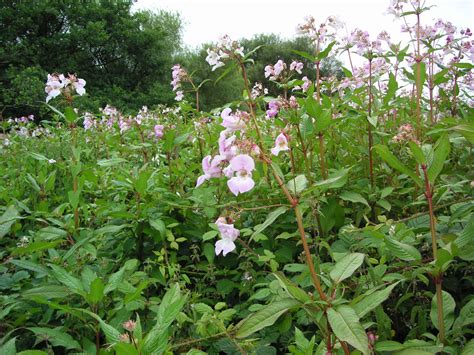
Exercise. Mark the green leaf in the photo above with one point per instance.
(112, 229)
(96, 293)
(156, 340)
(373, 120)
(291, 289)
(466, 316)
(419, 72)
(401, 250)
(229, 68)
(8, 348)
(467, 130)
(323, 54)
(441, 152)
(264, 317)
(72, 283)
(417, 152)
(388, 345)
(47, 291)
(159, 225)
(448, 310)
(272, 216)
(32, 352)
(391, 90)
(111, 162)
(7, 220)
(346, 326)
(372, 300)
(353, 197)
(345, 267)
(468, 348)
(393, 161)
(70, 114)
(305, 55)
(297, 184)
(111, 334)
(209, 235)
(56, 336)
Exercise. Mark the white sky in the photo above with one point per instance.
(206, 20)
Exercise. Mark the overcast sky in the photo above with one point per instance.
(206, 20)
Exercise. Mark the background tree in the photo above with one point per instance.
(125, 57)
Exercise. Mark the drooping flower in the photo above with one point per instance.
(242, 165)
(228, 235)
(54, 86)
(306, 84)
(211, 168)
(281, 144)
(227, 149)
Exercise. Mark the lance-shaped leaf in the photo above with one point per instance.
(346, 326)
(265, 317)
(393, 161)
(346, 266)
(441, 152)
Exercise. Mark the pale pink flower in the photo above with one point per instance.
(158, 130)
(129, 325)
(242, 165)
(296, 66)
(54, 86)
(179, 95)
(227, 149)
(273, 108)
(211, 168)
(281, 144)
(233, 122)
(228, 235)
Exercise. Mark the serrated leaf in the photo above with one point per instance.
(401, 250)
(441, 152)
(372, 300)
(71, 282)
(156, 341)
(56, 336)
(264, 317)
(417, 152)
(297, 184)
(466, 315)
(393, 161)
(272, 216)
(346, 326)
(353, 197)
(96, 293)
(345, 267)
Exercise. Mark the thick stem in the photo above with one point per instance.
(434, 245)
(324, 172)
(371, 142)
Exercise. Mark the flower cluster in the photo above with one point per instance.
(58, 83)
(234, 152)
(276, 71)
(258, 90)
(322, 32)
(179, 75)
(406, 133)
(226, 48)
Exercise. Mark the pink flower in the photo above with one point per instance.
(211, 168)
(273, 108)
(228, 235)
(306, 84)
(226, 148)
(159, 130)
(179, 95)
(54, 85)
(281, 144)
(242, 165)
(129, 325)
(296, 66)
(233, 122)
(279, 67)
